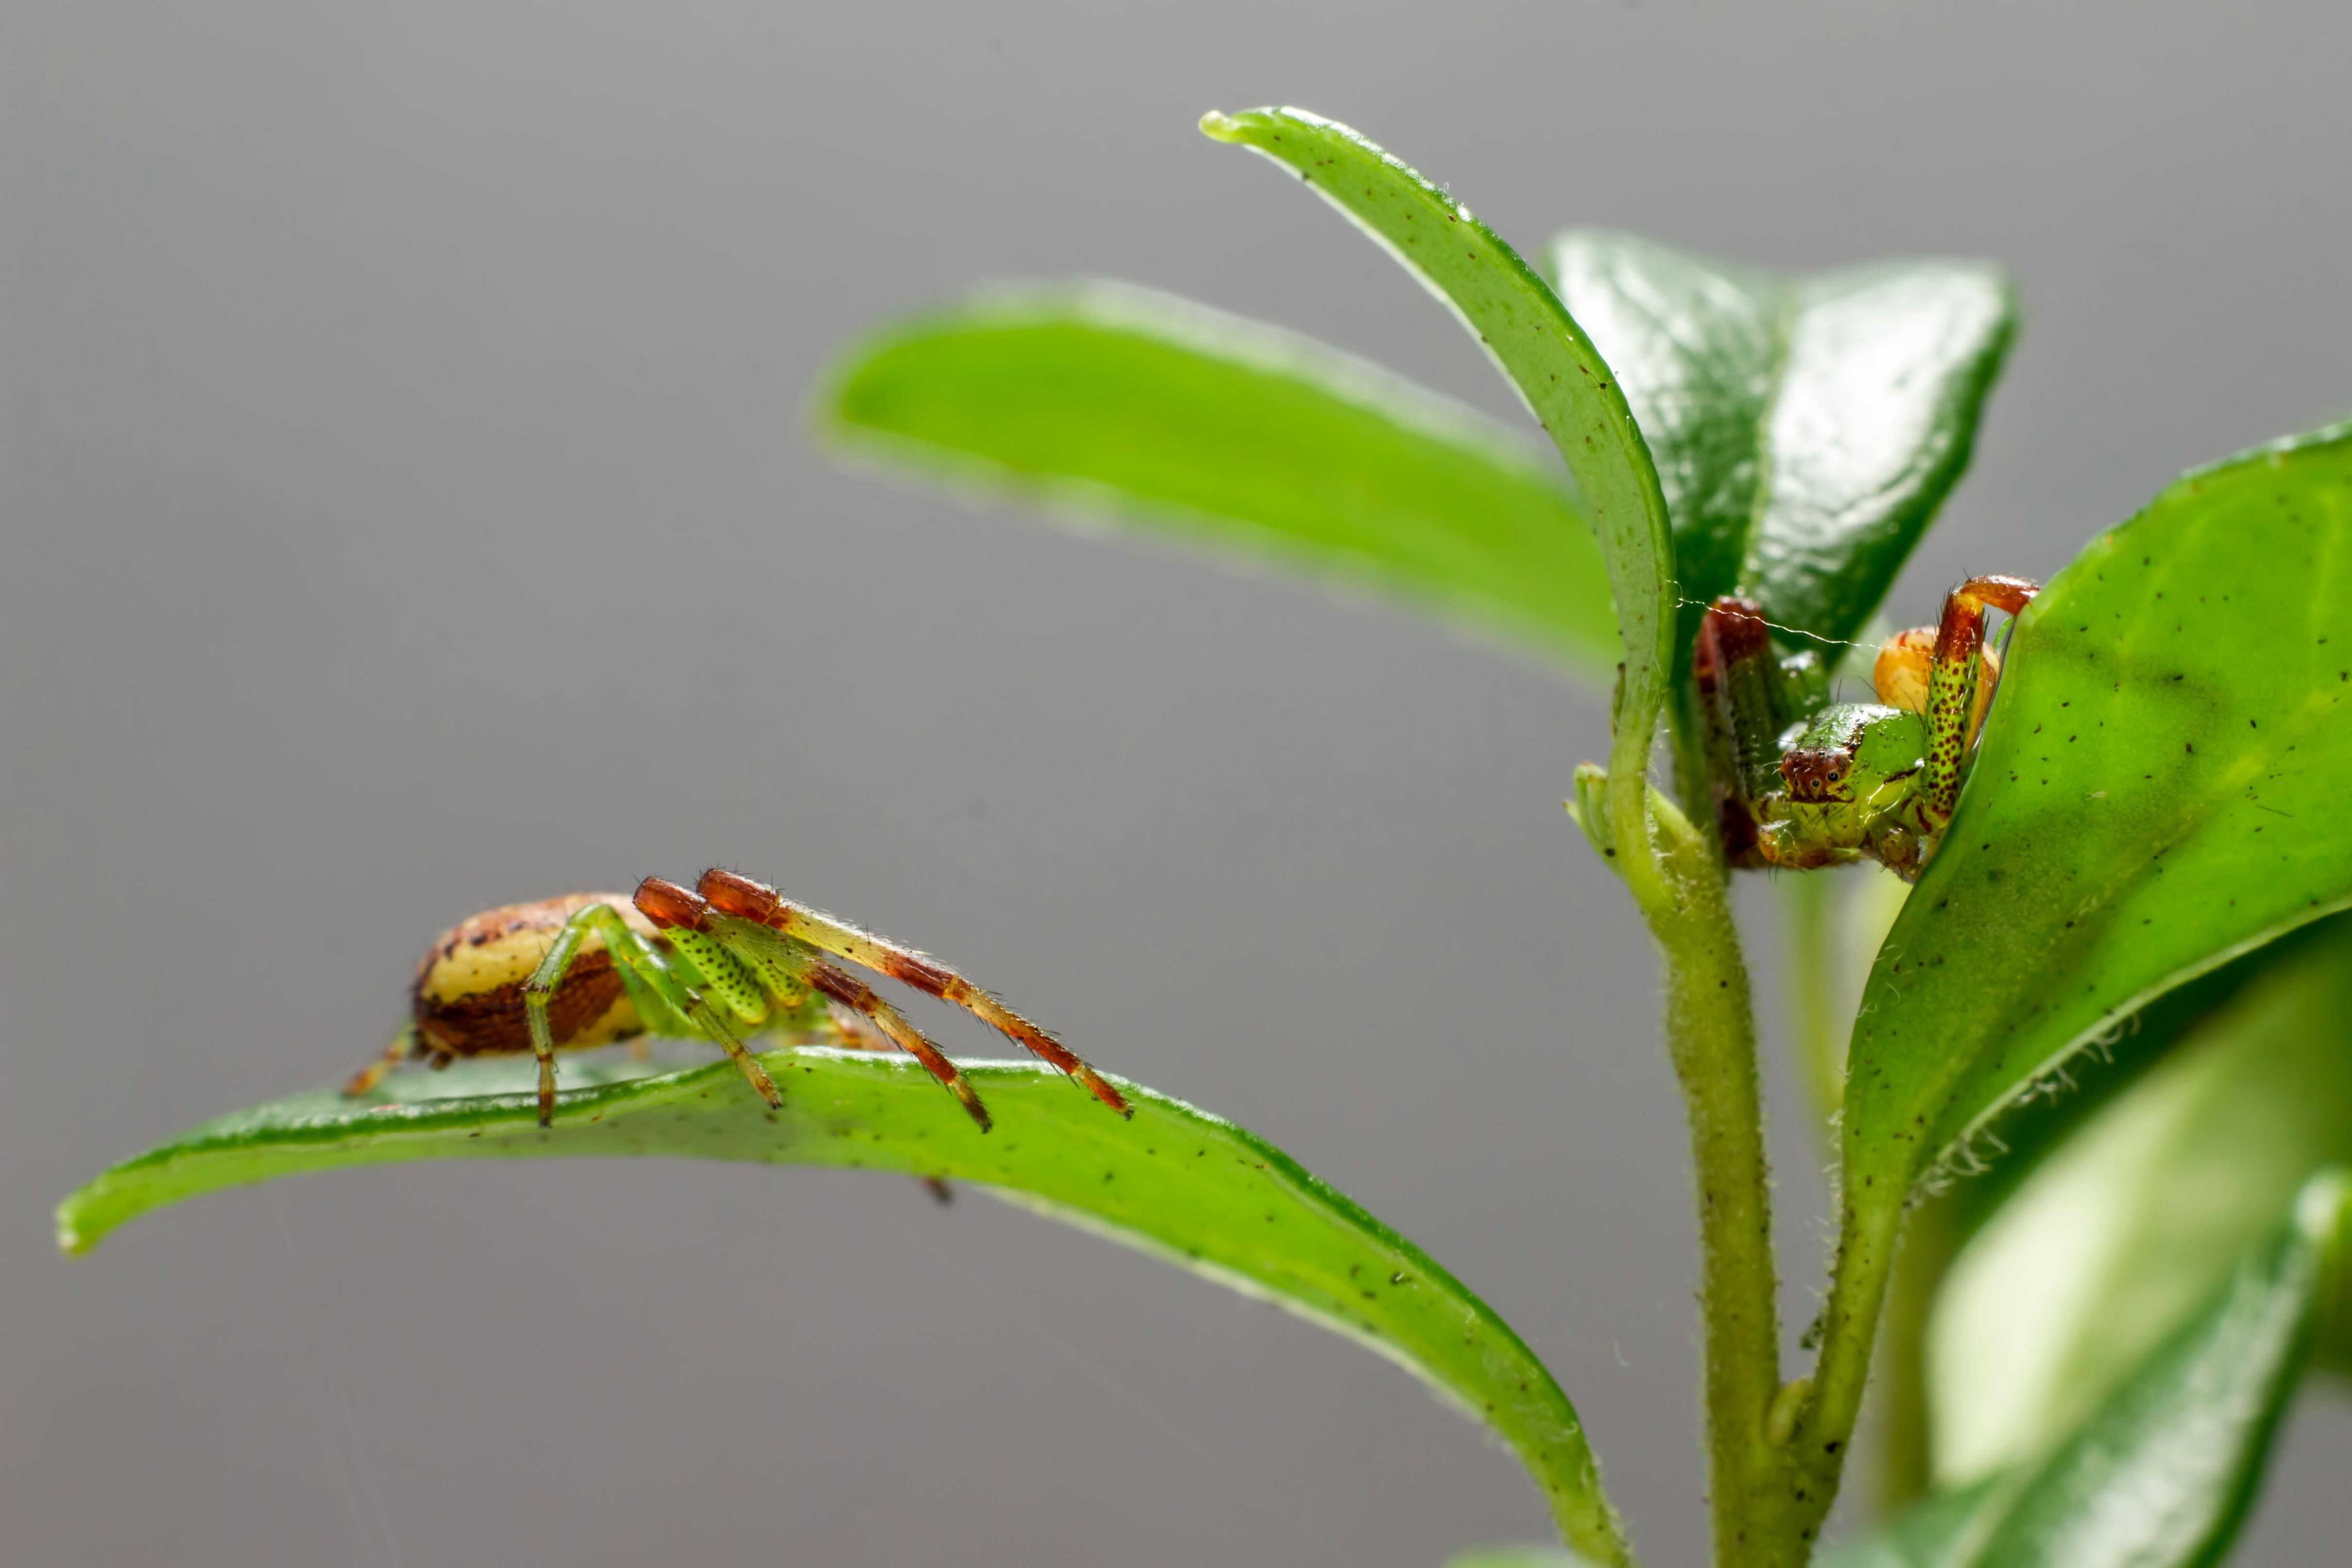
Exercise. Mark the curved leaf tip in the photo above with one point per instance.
(1564, 383)
(1175, 1181)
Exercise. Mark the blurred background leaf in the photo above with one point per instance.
(2162, 1471)
(1114, 407)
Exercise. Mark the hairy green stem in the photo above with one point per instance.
(1764, 1508)
(1824, 1426)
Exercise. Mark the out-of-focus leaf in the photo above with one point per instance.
(1571, 391)
(2164, 1471)
(1173, 1181)
(2141, 1214)
(1929, 1534)
(1805, 429)
(1112, 405)
(2157, 791)
(1516, 1557)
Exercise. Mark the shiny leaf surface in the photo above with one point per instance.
(2163, 1472)
(1112, 405)
(1173, 1181)
(1545, 355)
(2158, 788)
(2142, 1214)
(1805, 429)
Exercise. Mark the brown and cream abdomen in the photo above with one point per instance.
(468, 999)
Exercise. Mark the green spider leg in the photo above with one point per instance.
(787, 964)
(758, 908)
(672, 996)
(1952, 685)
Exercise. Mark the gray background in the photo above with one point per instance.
(405, 513)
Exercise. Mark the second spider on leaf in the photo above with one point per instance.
(728, 960)
(1801, 781)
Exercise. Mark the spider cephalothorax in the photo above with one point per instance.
(1801, 781)
(729, 960)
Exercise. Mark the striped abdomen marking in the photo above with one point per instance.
(468, 997)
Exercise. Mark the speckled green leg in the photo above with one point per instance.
(666, 1000)
(1952, 686)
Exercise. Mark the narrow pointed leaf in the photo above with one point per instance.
(1805, 428)
(2163, 1473)
(2159, 788)
(1116, 406)
(2143, 1214)
(1173, 1181)
(1516, 1557)
(1572, 393)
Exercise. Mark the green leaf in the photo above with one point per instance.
(2162, 1474)
(2158, 790)
(1110, 405)
(1516, 1557)
(1805, 429)
(1571, 391)
(1173, 1181)
(2143, 1213)
(1928, 1535)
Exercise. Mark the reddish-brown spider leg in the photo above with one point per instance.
(852, 1032)
(402, 1049)
(1732, 665)
(761, 904)
(858, 998)
(1952, 682)
(790, 961)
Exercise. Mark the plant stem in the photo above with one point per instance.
(1928, 1244)
(1764, 1509)
(1824, 1426)
(1806, 901)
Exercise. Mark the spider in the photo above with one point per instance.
(728, 960)
(1801, 781)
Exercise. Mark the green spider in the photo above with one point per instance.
(731, 960)
(1803, 782)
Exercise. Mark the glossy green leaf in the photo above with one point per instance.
(2158, 790)
(1173, 1181)
(2162, 1473)
(2027, 1132)
(2143, 1213)
(1108, 405)
(1545, 355)
(1805, 429)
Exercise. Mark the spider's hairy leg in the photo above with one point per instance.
(648, 975)
(1952, 684)
(401, 1047)
(1731, 664)
(786, 962)
(743, 899)
(859, 996)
